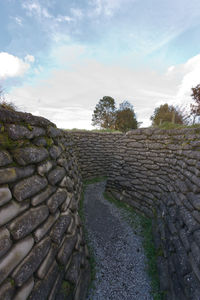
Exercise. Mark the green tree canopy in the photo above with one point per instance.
(104, 113)
(167, 113)
(125, 105)
(125, 117)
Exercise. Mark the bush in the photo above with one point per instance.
(8, 105)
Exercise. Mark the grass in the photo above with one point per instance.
(8, 105)
(106, 130)
(142, 226)
(91, 253)
(94, 130)
(81, 214)
(151, 255)
(169, 125)
(94, 180)
(165, 125)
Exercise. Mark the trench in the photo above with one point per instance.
(120, 262)
(156, 171)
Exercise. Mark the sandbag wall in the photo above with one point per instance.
(158, 173)
(94, 151)
(42, 250)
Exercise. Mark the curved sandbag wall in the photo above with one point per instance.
(158, 173)
(42, 247)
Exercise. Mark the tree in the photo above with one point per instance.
(195, 108)
(125, 105)
(167, 113)
(104, 113)
(125, 117)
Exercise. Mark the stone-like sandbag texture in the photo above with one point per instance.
(41, 236)
(94, 151)
(158, 173)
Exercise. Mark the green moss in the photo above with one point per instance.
(159, 252)
(29, 127)
(90, 249)
(8, 143)
(2, 127)
(67, 287)
(154, 210)
(94, 180)
(151, 255)
(12, 282)
(82, 216)
(61, 267)
(49, 141)
(184, 144)
(143, 226)
(14, 164)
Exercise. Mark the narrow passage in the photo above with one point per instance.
(119, 256)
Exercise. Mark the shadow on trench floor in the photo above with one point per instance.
(120, 241)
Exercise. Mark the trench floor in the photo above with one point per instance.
(120, 262)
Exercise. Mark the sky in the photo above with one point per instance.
(59, 58)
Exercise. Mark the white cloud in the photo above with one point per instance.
(60, 38)
(34, 8)
(66, 55)
(170, 69)
(68, 96)
(82, 87)
(77, 116)
(106, 7)
(12, 66)
(189, 74)
(29, 58)
(77, 13)
(38, 70)
(111, 5)
(18, 20)
(60, 19)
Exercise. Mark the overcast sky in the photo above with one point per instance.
(58, 58)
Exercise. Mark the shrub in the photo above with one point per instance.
(8, 105)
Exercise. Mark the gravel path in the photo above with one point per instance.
(118, 252)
